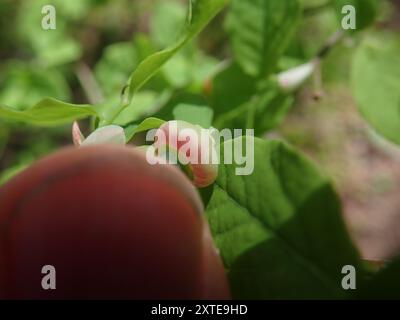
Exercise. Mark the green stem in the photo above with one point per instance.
(114, 113)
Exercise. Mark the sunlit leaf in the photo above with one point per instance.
(48, 112)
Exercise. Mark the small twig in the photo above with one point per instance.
(89, 84)
(323, 52)
(318, 86)
(332, 41)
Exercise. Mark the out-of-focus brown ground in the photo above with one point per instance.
(364, 167)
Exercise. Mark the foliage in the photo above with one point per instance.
(280, 230)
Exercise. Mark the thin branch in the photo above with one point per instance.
(318, 85)
(89, 84)
(332, 42)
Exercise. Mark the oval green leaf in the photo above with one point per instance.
(48, 112)
(279, 230)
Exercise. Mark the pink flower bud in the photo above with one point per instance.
(195, 149)
(77, 136)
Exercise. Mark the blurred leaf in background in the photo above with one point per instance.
(226, 78)
(50, 47)
(260, 31)
(376, 83)
(23, 84)
(366, 11)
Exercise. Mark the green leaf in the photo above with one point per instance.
(180, 97)
(144, 103)
(189, 68)
(178, 70)
(200, 14)
(231, 88)
(279, 230)
(51, 47)
(56, 50)
(366, 11)
(72, 10)
(113, 68)
(23, 84)
(384, 285)
(144, 46)
(260, 31)
(200, 115)
(255, 105)
(145, 125)
(48, 112)
(271, 109)
(376, 85)
(167, 22)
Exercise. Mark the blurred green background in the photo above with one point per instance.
(98, 43)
